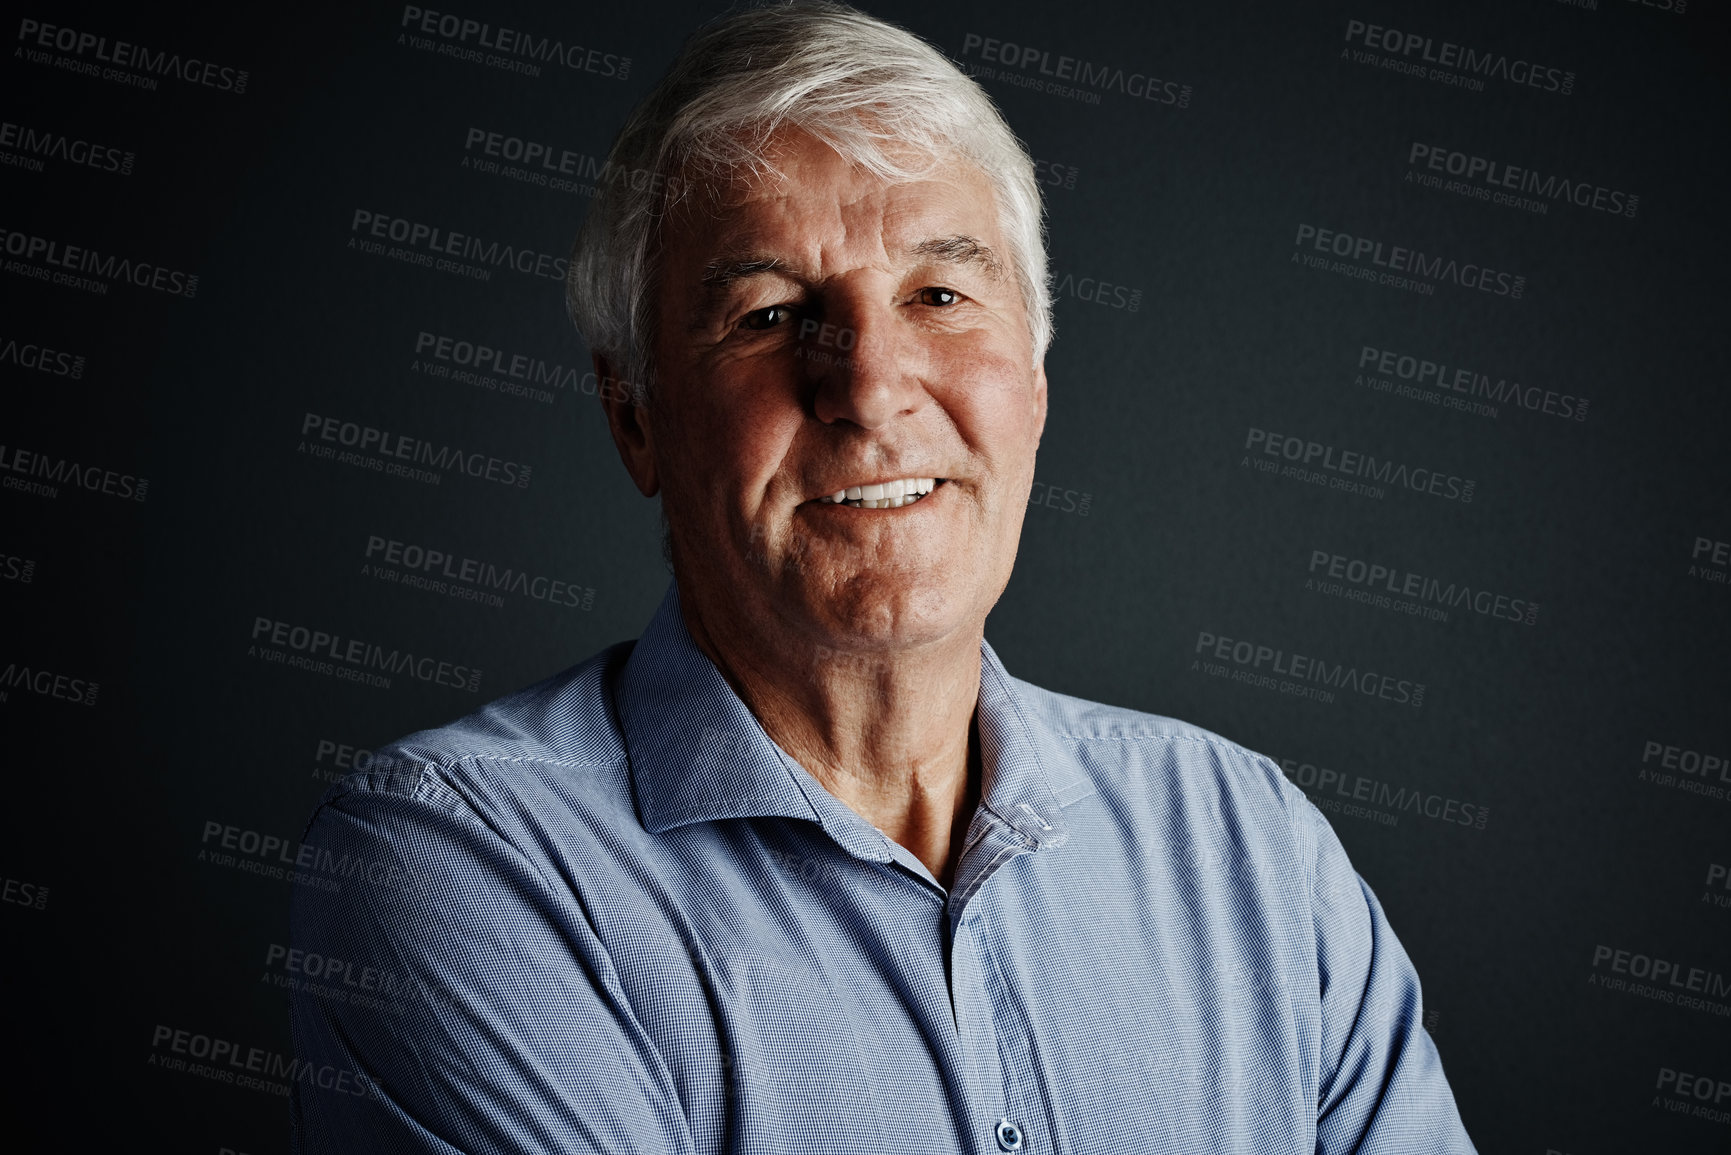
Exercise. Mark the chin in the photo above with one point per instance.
(882, 611)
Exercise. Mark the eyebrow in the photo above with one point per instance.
(961, 250)
(723, 272)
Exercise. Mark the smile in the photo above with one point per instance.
(883, 495)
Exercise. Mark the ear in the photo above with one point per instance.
(1039, 401)
(628, 421)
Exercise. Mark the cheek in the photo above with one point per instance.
(754, 431)
(996, 410)
(729, 438)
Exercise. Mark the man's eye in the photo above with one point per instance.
(766, 318)
(938, 296)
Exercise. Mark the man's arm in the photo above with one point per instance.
(1382, 1088)
(502, 1026)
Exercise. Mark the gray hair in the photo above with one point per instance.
(860, 85)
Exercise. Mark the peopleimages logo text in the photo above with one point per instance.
(92, 263)
(1673, 974)
(1459, 58)
(1457, 379)
(433, 569)
(509, 42)
(255, 1068)
(52, 145)
(41, 358)
(1352, 463)
(1102, 77)
(1323, 781)
(1376, 579)
(409, 452)
(123, 54)
(1417, 263)
(484, 358)
(1517, 178)
(320, 645)
(444, 242)
(48, 684)
(1301, 668)
(552, 161)
(57, 471)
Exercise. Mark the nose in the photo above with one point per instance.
(866, 364)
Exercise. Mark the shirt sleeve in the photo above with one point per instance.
(1382, 1089)
(495, 1022)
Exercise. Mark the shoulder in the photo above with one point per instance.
(559, 734)
(1081, 723)
(1150, 763)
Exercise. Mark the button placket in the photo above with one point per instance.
(1025, 1095)
(976, 1028)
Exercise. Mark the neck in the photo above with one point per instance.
(888, 731)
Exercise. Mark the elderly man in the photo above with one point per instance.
(804, 869)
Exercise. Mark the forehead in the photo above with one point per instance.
(818, 205)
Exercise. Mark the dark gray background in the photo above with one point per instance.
(1543, 725)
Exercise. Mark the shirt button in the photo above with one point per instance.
(1009, 1135)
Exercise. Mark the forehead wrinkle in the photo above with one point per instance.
(767, 231)
(764, 233)
(745, 249)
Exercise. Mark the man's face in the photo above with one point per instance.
(828, 331)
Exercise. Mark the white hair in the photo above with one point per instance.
(864, 87)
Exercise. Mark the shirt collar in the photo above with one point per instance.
(697, 754)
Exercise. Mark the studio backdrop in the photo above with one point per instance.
(1387, 437)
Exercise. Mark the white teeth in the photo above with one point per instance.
(883, 495)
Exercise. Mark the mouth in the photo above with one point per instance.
(883, 494)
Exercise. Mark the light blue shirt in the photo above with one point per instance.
(611, 915)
